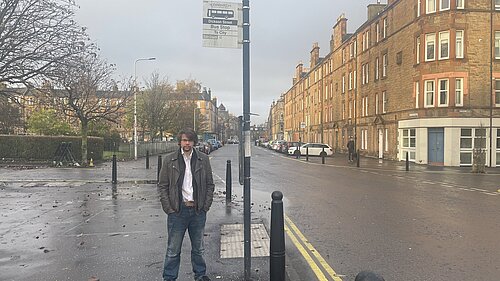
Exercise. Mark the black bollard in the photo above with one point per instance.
(307, 153)
(113, 171)
(357, 159)
(323, 156)
(159, 168)
(228, 182)
(407, 162)
(277, 244)
(147, 159)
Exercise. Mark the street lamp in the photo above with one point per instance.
(135, 102)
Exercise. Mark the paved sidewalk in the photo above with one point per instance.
(72, 224)
(341, 160)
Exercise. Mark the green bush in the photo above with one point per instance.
(45, 147)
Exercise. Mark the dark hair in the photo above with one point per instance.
(189, 133)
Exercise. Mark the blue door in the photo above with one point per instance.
(436, 146)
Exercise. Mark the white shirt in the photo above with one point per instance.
(187, 183)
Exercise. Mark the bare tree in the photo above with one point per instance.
(84, 90)
(34, 36)
(158, 111)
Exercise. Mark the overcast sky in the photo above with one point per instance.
(282, 33)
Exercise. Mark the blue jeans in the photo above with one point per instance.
(177, 223)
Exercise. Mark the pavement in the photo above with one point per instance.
(73, 224)
(341, 160)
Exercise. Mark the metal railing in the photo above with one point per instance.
(154, 148)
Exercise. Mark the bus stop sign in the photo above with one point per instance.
(222, 24)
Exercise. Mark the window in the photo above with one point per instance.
(430, 6)
(384, 65)
(443, 92)
(444, 5)
(376, 68)
(364, 139)
(419, 4)
(417, 93)
(429, 93)
(444, 42)
(497, 44)
(459, 91)
(409, 143)
(466, 147)
(384, 102)
(350, 109)
(386, 140)
(354, 78)
(384, 28)
(377, 31)
(498, 146)
(430, 42)
(343, 56)
(459, 39)
(362, 106)
(460, 4)
(497, 92)
(376, 103)
(497, 4)
(409, 138)
(350, 80)
(343, 84)
(471, 139)
(366, 106)
(417, 50)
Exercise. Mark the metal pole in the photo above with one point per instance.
(147, 159)
(228, 182)
(357, 159)
(246, 131)
(135, 103)
(159, 168)
(307, 153)
(277, 243)
(114, 171)
(323, 156)
(407, 162)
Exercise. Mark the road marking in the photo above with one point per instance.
(305, 253)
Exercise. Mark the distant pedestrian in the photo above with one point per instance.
(186, 190)
(351, 148)
(368, 276)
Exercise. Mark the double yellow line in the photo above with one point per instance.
(318, 265)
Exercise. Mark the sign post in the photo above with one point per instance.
(227, 25)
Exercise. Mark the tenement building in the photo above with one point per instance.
(418, 78)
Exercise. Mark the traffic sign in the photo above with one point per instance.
(302, 125)
(222, 26)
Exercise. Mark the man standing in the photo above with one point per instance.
(350, 149)
(186, 190)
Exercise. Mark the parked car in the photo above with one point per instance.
(277, 145)
(203, 147)
(293, 147)
(213, 143)
(315, 149)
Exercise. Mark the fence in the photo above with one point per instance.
(152, 147)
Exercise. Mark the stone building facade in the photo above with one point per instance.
(419, 76)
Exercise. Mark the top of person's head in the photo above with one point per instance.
(189, 133)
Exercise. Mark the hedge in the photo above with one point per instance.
(45, 147)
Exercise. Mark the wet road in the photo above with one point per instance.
(404, 225)
(70, 224)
